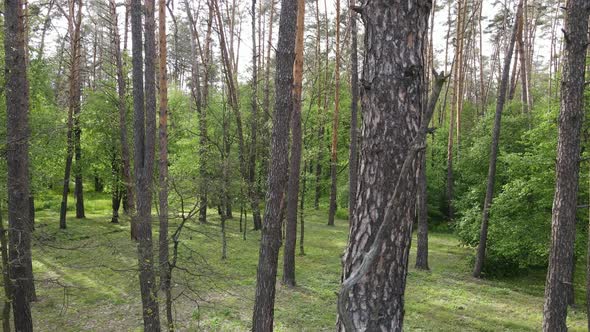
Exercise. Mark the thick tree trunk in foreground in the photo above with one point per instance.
(144, 138)
(372, 296)
(17, 157)
(335, 122)
(295, 161)
(277, 178)
(571, 115)
(483, 235)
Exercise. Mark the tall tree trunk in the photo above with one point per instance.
(128, 197)
(354, 96)
(501, 99)
(301, 214)
(271, 232)
(571, 115)
(266, 107)
(384, 210)
(335, 121)
(164, 259)
(17, 158)
(523, 63)
(295, 161)
(252, 185)
(144, 150)
(422, 211)
(74, 23)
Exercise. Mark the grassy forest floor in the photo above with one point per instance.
(86, 281)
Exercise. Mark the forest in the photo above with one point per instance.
(295, 165)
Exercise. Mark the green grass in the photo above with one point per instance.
(86, 280)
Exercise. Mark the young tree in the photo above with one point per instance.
(252, 186)
(74, 23)
(501, 99)
(144, 149)
(163, 256)
(571, 114)
(354, 94)
(372, 297)
(335, 120)
(421, 206)
(295, 161)
(17, 158)
(263, 315)
(122, 93)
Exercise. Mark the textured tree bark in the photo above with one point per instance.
(301, 214)
(144, 151)
(376, 258)
(501, 99)
(335, 122)
(74, 22)
(354, 96)
(571, 115)
(17, 158)
(295, 161)
(128, 197)
(277, 178)
(163, 254)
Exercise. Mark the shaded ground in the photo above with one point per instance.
(86, 281)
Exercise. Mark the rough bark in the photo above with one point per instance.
(277, 177)
(376, 258)
(501, 99)
(295, 161)
(144, 150)
(17, 158)
(571, 115)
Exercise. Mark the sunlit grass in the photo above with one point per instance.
(86, 280)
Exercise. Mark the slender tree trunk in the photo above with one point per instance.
(266, 107)
(74, 22)
(483, 235)
(295, 161)
(271, 232)
(354, 93)
(164, 259)
(5, 277)
(335, 122)
(128, 197)
(523, 63)
(252, 185)
(144, 150)
(116, 186)
(301, 214)
(17, 157)
(571, 116)
(422, 211)
(372, 297)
